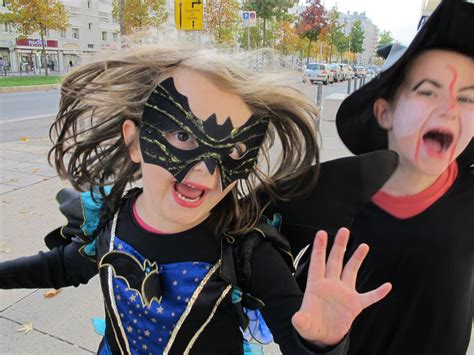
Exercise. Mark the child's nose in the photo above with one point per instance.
(208, 170)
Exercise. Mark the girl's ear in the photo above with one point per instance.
(382, 113)
(130, 136)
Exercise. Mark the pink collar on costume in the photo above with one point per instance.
(142, 223)
(404, 207)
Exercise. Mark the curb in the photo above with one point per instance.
(13, 89)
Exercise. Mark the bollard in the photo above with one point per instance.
(355, 84)
(319, 93)
(360, 81)
(363, 79)
(349, 86)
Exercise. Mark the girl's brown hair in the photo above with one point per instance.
(96, 98)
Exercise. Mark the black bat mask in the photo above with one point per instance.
(168, 122)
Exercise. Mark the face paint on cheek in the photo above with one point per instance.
(409, 117)
(451, 86)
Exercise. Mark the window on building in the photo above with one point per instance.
(5, 27)
(89, 3)
(90, 25)
(90, 46)
(75, 33)
(62, 34)
(104, 36)
(46, 32)
(115, 36)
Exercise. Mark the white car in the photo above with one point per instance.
(319, 72)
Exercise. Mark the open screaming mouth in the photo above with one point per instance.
(438, 141)
(188, 193)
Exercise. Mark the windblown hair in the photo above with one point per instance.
(96, 98)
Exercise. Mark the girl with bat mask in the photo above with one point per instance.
(193, 126)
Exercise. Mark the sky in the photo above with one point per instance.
(401, 17)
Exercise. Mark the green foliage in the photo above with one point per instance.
(139, 14)
(385, 38)
(334, 31)
(357, 38)
(222, 20)
(311, 23)
(268, 10)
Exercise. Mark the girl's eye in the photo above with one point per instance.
(466, 100)
(181, 140)
(238, 151)
(428, 93)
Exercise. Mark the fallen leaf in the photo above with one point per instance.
(6, 201)
(24, 139)
(14, 179)
(35, 170)
(4, 248)
(25, 328)
(51, 293)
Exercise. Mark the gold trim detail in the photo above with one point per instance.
(198, 333)
(190, 306)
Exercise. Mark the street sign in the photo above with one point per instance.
(188, 14)
(249, 18)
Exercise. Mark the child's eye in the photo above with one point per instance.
(465, 100)
(181, 140)
(238, 151)
(428, 93)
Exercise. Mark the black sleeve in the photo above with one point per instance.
(274, 284)
(63, 266)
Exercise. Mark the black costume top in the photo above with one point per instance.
(429, 258)
(168, 293)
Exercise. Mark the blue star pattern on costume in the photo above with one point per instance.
(149, 328)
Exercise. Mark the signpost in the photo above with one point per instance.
(249, 19)
(188, 14)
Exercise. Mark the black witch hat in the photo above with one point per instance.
(451, 27)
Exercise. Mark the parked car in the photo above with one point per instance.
(319, 72)
(347, 70)
(337, 72)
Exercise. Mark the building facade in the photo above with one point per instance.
(371, 35)
(91, 29)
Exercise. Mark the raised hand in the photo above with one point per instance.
(331, 302)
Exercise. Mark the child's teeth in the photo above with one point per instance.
(187, 199)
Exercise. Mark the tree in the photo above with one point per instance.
(268, 9)
(287, 40)
(342, 44)
(222, 20)
(385, 38)
(311, 24)
(357, 38)
(134, 15)
(334, 31)
(39, 16)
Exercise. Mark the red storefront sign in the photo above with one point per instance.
(28, 42)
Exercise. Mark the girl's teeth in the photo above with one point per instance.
(181, 197)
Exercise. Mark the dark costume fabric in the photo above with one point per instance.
(170, 293)
(429, 259)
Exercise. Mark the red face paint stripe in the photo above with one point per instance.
(451, 85)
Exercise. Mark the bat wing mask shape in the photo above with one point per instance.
(140, 277)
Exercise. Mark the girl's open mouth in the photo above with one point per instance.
(438, 141)
(188, 195)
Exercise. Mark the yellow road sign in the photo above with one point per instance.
(188, 14)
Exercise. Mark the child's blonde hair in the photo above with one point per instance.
(96, 98)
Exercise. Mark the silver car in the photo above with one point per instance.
(319, 72)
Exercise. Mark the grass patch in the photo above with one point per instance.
(7, 81)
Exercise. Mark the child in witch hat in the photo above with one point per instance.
(420, 225)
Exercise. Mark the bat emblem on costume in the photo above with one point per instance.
(141, 277)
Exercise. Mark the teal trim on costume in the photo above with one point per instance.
(236, 295)
(275, 222)
(99, 325)
(91, 206)
(90, 248)
(252, 349)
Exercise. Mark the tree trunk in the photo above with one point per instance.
(309, 50)
(43, 54)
